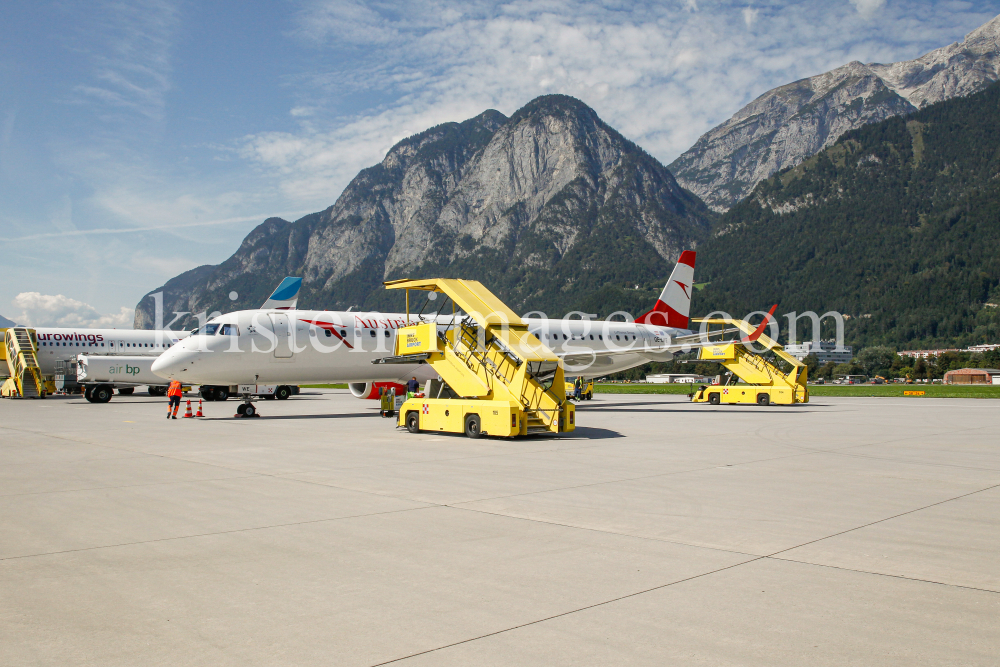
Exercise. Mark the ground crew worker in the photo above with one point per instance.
(412, 387)
(174, 397)
(578, 387)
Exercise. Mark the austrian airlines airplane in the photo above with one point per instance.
(286, 347)
(64, 344)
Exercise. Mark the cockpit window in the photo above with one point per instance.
(207, 330)
(229, 330)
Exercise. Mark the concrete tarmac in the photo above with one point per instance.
(842, 532)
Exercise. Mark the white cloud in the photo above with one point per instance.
(131, 63)
(46, 310)
(662, 74)
(867, 8)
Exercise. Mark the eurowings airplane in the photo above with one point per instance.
(58, 344)
(286, 347)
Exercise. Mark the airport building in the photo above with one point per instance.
(826, 351)
(671, 378)
(973, 376)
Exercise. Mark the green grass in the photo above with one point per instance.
(933, 391)
(323, 386)
(644, 388)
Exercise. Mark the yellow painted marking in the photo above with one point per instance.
(914, 393)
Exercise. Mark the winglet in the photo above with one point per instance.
(760, 329)
(285, 297)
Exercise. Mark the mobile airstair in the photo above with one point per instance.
(752, 358)
(498, 378)
(21, 352)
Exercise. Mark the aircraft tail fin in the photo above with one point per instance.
(286, 296)
(673, 307)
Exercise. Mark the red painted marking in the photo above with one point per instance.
(664, 316)
(332, 328)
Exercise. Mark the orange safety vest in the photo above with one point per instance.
(175, 389)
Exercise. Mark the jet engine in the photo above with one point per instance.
(369, 390)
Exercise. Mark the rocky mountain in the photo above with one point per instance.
(786, 125)
(897, 226)
(4, 322)
(547, 207)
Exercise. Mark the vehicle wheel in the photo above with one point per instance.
(101, 394)
(250, 411)
(88, 394)
(269, 397)
(282, 392)
(126, 391)
(763, 399)
(713, 398)
(473, 427)
(207, 393)
(221, 394)
(413, 422)
(241, 409)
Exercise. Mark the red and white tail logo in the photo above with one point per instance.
(674, 305)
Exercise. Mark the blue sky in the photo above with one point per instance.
(141, 139)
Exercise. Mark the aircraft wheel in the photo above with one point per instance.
(763, 399)
(713, 398)
(413, 422)
(473, 427)
(241, 409)
(101, 394)
(282, 392)
(250, 410)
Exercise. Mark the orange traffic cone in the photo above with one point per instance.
(199, 414)
(188, 412)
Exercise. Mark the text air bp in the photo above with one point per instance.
(125, 369)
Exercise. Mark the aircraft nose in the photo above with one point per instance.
(168, 364)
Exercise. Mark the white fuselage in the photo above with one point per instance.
(64, 344)
(304, 346)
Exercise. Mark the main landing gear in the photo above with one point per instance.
(246, 408)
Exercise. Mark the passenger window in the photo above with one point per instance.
(372, 332)
(617, 337)
(591, 336)
(329, 334)
(343, 333)
(386, 333)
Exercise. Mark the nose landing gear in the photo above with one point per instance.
(246, 408)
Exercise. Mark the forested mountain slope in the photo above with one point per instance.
(897, 225)
(788, 124)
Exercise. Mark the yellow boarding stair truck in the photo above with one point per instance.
(765, 382)
(498, 379)
(21, 356)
